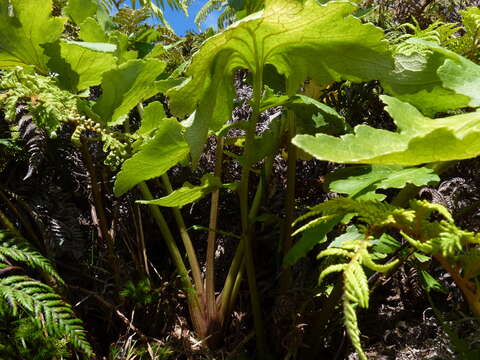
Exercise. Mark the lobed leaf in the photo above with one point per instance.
(300, 39)
(79, 64)
(356, 181)
(420, 140)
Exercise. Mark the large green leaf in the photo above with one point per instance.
(154, 158)
(79, 10)
(420, 140)
(24, 26)
(188, 193)
(126, 86)
(434, 79)
(80, 65)
(300, 39)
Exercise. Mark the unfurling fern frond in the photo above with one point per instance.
(355, 282)
(20, 293)
(45, 107)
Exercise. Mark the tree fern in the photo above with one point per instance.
(23, 294)
(427, 227)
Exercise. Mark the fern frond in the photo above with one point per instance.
(330, 270)
(42, 303)
(19, 250)
(226, 18)
(313, 223)
(207, 8)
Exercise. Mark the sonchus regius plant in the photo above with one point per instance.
(290, 40)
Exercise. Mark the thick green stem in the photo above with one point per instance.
(187, 242)
(286, 279)
(196, 310)
(210, 261)
(247, 225)
(226, 296)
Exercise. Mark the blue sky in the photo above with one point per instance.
(181, 24)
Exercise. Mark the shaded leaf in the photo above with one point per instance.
(378, 177)
(80, 65)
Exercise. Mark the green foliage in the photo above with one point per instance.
(21, 38)
(140, 292)
(154, 158)
(441, 239)
(362, 182)
(124, 87)
(188, 193)
(250, 44)
(468, 44)
(417, 142)
(355, 282)
(313, 233)
(26, 295)
(79, 64)
(80, 10)
(49, 105)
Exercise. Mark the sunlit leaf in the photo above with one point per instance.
(154, 158)
(124, 87)
(80, 65)
(22, 34)
(420, 140)
(300, 39)
(79, 10)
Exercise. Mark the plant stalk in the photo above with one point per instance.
(286, 278)
(247, 225)
(187, 242)
(196, 310)
(100, 211)
(210, 260)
